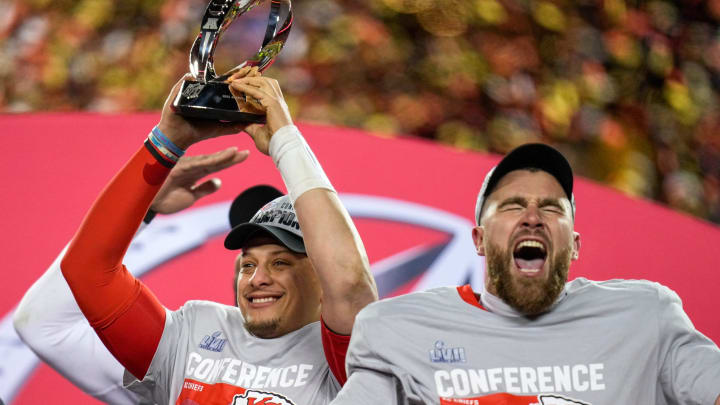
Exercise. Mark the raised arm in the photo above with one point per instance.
(122, 311)
(339, 257)
(49, 320)
(332, 242)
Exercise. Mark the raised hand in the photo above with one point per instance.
(184, 132)
(245, 104)
(181, 190)
(268, 98)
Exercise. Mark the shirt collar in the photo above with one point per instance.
(496, 305)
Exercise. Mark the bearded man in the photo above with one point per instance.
(531, 337)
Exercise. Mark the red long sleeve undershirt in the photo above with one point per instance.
(335, 347)
(125, 314)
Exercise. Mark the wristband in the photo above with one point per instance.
(162, 148)
(296, 162)
(167, 142)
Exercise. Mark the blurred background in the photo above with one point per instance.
(628, 90)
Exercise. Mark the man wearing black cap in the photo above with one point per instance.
(541, 250)
(297, 292)
(531, 337)
(49, 321)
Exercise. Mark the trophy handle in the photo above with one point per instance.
(208, 96)
(274, 38)
(219, 14)
(273, 41)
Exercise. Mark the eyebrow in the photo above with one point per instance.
(272, 253)
(522, 201)
(555, 202)
(513, 200)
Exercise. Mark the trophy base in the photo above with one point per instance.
(211, 101)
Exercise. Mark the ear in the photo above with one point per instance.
(477, 234)
(576, 246)
(238, 261)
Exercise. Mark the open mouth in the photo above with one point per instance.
(529, 256)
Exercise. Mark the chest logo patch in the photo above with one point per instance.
(213, 342)
(252, 397)
(440, 353)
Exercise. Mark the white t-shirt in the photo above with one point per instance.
(612, 342)
(206, 356)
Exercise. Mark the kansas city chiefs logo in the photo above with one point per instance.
(252, 397)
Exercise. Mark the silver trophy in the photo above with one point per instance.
(207, 95)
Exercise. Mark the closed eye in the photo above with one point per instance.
(513, 204)
(553, 206)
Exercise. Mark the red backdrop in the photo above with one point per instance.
(53, 166)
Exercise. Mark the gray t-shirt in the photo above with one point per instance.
(206, 356)
(612, 342)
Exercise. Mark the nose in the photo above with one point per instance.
(532, 217)
(260, 277)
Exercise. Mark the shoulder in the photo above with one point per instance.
(203, 305)
(416, 303)
(201, 308)
(620, 289)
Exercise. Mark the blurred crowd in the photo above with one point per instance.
(627, 89)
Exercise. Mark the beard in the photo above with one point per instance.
(528, 296)
(263, 329)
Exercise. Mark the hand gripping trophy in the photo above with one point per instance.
(207, 95)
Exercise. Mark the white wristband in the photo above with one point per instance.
(297, 164)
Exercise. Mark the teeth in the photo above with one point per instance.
(531, 244)
(263, 300)
(529, 271)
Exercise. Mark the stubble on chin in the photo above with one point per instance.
(263, 329)
(528, 296)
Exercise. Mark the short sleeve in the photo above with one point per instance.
(370, 376)
(367, 387)
(689, 361)
(157, 380)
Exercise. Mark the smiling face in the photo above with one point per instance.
(277, 290)
(526, 234)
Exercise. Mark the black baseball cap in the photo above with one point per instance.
(276, 219)
(247, 203)
(531, 155)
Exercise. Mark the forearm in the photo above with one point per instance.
(49, 321)
(331, 240)
(48, 306)
(126, 316)
(108, 227)
(717, 401)
(338, 256)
